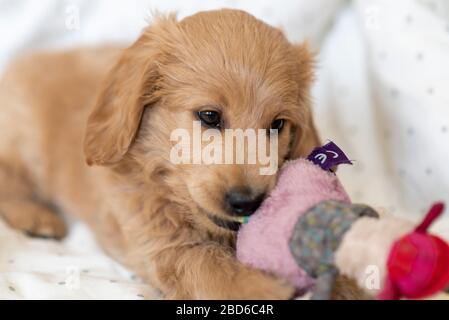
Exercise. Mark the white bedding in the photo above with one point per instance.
(382, 94)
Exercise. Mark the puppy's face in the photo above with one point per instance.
(195, 80)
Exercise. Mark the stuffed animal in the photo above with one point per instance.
(308, 232)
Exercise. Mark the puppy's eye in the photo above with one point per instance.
(210, 118)
(277, 124)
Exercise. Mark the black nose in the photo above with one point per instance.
(242, 201)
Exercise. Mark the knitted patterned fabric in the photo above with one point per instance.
(317, 235)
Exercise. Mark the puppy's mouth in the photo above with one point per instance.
(231, 225)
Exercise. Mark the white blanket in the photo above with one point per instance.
(381, 94)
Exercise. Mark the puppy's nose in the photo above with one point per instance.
(243, 202)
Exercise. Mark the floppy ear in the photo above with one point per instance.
(116, 115)
(305, 137)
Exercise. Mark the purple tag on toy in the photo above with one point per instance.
(328, 156)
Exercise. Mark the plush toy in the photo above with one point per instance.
(308, 232)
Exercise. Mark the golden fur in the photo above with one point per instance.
(147, 213)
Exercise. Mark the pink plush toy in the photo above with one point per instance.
(307, 230)
(264, 242)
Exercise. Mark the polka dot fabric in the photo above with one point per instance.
(72, 269)
(383, 96)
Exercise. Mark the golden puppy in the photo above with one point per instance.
(87, 132)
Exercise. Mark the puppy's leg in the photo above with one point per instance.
(22, 210)
(210, 271)
(347, 289)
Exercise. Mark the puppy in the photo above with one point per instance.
(87, 132)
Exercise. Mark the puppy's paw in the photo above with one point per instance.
(34, 219)
(347, 289)
(48, 226)
(256, 285)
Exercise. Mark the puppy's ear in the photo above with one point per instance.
(130, 86)
(305, 137)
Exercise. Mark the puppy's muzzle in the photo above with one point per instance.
(242, 201)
